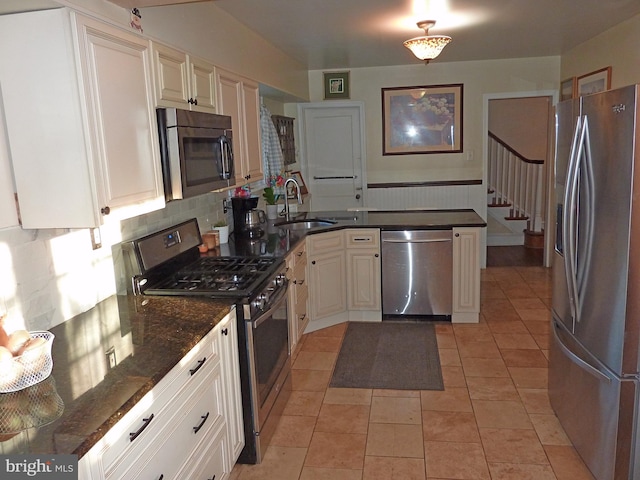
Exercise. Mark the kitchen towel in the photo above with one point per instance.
(389, 355)
(272, 158)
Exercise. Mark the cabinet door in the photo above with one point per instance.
(239, 98)
(203, 85)
(171, 76)
(251, 104)
(118, 86)
(327, 294)
(227, 339)
(466, 274)
(230, 103)
(8, 212)
(363, 280)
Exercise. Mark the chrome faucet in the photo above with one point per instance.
(286, 196)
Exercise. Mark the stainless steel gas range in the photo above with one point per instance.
(168, 263)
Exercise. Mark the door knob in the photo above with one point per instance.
(358, 196)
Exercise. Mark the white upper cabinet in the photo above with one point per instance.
(79, 108)
(240, 99)
(183, 81)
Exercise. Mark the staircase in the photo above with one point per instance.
(515, 197)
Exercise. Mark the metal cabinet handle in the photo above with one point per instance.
(313, 262)
(302, 317)
(213, 478)
(105, 210)
(298, 282)
(300, 253)
(457, 234)
(376, 255)
(145, 424)
(192, 371)
(224, 331)
(204, 419)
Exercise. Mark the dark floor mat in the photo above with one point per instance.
(389, 355)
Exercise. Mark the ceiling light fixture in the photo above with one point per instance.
(427, 47)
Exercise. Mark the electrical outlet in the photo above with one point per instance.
(111, 358)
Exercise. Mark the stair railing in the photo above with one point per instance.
(516, 182)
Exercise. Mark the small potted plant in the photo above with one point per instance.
(271, 200)
(223, 230)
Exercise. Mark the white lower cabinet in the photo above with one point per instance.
(466, 275)
(191, 421)
(363, 271)
(327, 276)
(298, 294)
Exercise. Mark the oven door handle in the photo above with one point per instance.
(282, 294)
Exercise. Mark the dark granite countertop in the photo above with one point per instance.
(148, 337)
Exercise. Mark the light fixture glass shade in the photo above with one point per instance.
(427, 48)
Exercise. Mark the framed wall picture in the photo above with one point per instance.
(422, 119)
(300, 180)
(568, 89)
(336, 85)
(594, 82)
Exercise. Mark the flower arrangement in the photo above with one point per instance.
(242, 192)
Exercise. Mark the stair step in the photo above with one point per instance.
(517, 217)
(494, 205)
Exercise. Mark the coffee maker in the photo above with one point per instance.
(247, 221)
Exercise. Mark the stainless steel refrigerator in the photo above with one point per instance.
(595, 345)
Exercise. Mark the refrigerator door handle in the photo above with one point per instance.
(569, 220)
(585, 166)
(577, 360)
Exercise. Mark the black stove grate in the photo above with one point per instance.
(223, 276)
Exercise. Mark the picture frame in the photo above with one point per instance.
(336, 86)
(594, 82)
(568, 88)
(303, 186)
(422, 119)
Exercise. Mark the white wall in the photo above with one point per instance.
(618, 47)
(479, 78)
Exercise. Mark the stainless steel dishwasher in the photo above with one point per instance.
(417, 269)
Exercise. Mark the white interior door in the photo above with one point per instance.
(333, 155)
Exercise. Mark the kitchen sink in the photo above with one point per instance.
(305, 224)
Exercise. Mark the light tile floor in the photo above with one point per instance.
(492, 421)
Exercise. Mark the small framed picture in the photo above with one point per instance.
(594, 82)
(336, 85)
(568, 89)
(300, 180)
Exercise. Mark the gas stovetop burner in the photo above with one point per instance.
(225, 276)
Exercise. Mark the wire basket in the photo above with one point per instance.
(32, 367)
(34, 406)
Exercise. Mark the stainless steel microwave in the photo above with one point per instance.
(196, 152)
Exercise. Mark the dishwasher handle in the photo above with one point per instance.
(425, 240)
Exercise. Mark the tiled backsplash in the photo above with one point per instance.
(49, 276)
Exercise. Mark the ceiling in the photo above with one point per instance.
(366, 33)
(332, 34)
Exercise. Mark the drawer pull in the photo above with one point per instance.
(298, 282)
(361, 239)
(161, 477)
(300, 253)
(204, 419)
(145, 424)
(302, 317)
(224, 331)
(213, 478)
(193, 371)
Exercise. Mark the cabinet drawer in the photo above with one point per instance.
(195, 414)
(154, 411)
(209, 461)
(363, 238)
(322, 242)
(299, 256)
